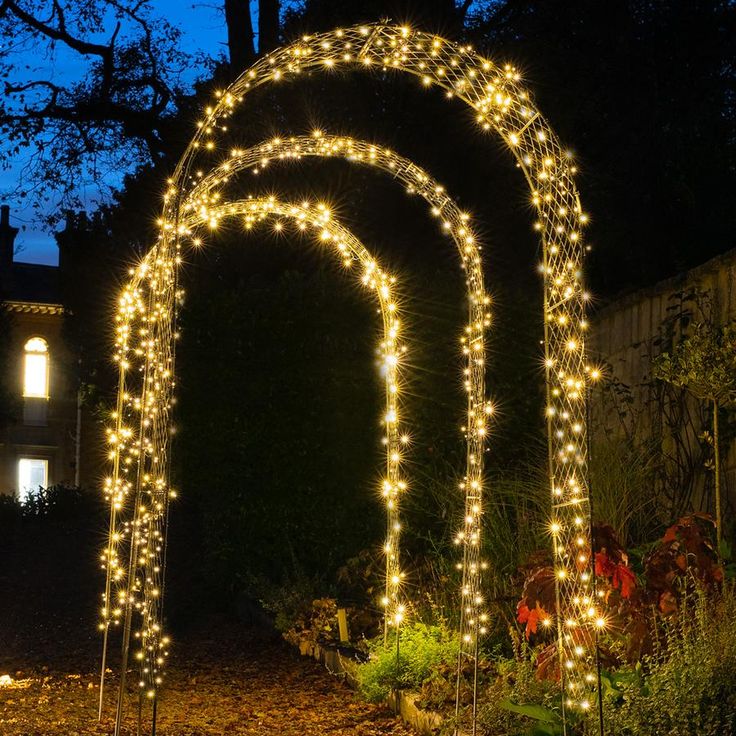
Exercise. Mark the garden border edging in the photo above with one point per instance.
(403, 703)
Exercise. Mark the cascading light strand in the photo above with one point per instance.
(211, 188)
(504, 107)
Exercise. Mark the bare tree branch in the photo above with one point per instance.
(60, 34)
(14, 88)
(112, 117)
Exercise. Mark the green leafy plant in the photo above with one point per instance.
(704, 362)
(422, 649)
(517, 700)
(543, 721)
(686, 686)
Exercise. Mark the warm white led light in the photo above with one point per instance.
(500, 104)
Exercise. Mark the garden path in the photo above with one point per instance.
(220, 683)
(224, 679)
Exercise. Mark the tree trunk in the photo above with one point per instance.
(239, 35)
(268, 25)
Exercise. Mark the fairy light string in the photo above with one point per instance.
(504, 107)
(213, 187)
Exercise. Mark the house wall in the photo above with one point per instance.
(41, 428)
(56, 439)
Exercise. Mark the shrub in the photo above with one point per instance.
(11, 514)
(316, 625)
(422, 649)
(517, 701)
(689, 683)
(59, 502)
(290, 604)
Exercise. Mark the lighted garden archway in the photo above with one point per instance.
(211, 188)
(501, 105)
(202, 207)
(138, 488)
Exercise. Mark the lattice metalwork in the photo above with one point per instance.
(139, 488)
(503, 106)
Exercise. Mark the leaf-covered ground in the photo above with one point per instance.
(220, 682)
(223, 677)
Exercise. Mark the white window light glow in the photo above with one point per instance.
(36, 369)
(32, 473)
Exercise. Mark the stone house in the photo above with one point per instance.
(42, 441)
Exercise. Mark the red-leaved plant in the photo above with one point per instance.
(538, 603)
(685, 554)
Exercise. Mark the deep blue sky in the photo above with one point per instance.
(203, 27)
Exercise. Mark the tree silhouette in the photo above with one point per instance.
(122, 110)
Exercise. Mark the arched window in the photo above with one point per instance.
(36, 369)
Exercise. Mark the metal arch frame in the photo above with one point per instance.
(505, 107)
(212, 188)
(139, 489)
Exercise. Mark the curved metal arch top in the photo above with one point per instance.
(504, 107)
(212, 188)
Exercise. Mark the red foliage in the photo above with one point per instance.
(687, 548)
(538, 599)
(611, 560)
(531, 617)
(685, 555)
(624, 580)
(617, 573)
(548, 663)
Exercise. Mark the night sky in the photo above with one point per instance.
(203, 25)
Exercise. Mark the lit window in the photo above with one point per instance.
(36, 369)
(32, 473)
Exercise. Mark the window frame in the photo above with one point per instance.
(47, 357)
(24, 490)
